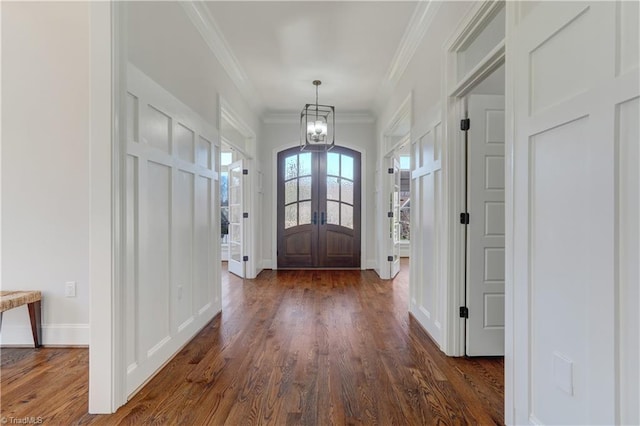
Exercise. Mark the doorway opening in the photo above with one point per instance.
(318, 208)
(476, 74)
(231, 209)
(395, 191)
(237, 198)
(399, 213)
(485, 228)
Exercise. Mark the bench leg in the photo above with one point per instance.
(36, 322)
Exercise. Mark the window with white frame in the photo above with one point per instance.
(405, 197)
(226, 158)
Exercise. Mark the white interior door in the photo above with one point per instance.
(394, 220)
(236, 241)
(485, 231)
(575, 101)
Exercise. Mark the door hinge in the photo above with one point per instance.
(245, 258)
(464, 218)
(390, 170)
(464, 312)
(390, 258)
(465, 124)
(245, 171)
(389, 214)
(245, 215)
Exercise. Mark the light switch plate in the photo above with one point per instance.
(70, 289)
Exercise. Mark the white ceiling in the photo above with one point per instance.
(283, 46)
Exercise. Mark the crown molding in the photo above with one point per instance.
(291, 117)
(199, 14)
(420, 21)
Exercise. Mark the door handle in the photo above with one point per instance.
(315, 218)
(322, 221)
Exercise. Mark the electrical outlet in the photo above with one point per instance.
(70, 289)
(179, 292)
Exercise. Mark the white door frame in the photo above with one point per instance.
(227, 115)
(454, 91)
(392, 138)
(107, 372)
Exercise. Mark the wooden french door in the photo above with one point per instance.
(319, 209)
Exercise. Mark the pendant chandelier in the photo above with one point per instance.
(317, 125)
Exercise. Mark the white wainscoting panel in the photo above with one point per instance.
(575, 87)
(172, 232)
(559, 302)
(427, 289)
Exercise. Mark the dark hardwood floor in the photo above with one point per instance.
(290, 347)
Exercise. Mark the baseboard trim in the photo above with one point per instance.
(266, 264)
(66, 335)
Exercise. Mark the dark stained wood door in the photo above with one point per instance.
(319, 209)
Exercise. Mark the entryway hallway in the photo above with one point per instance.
(290, 347)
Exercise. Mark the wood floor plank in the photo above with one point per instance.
(290, 348)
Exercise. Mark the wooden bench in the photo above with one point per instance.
(13, 299)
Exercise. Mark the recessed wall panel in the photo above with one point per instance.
(427, 148)
(628, 36)
(154, 291)
(183, 140)
(561, 65)
(203, 153)
(426, 201)
(182, 246)
(203, 235)
(157, 129)
(560, 261)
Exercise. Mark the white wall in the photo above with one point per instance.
(277, 136)
(45, 166)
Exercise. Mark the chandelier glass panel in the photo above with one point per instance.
(317, 125)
